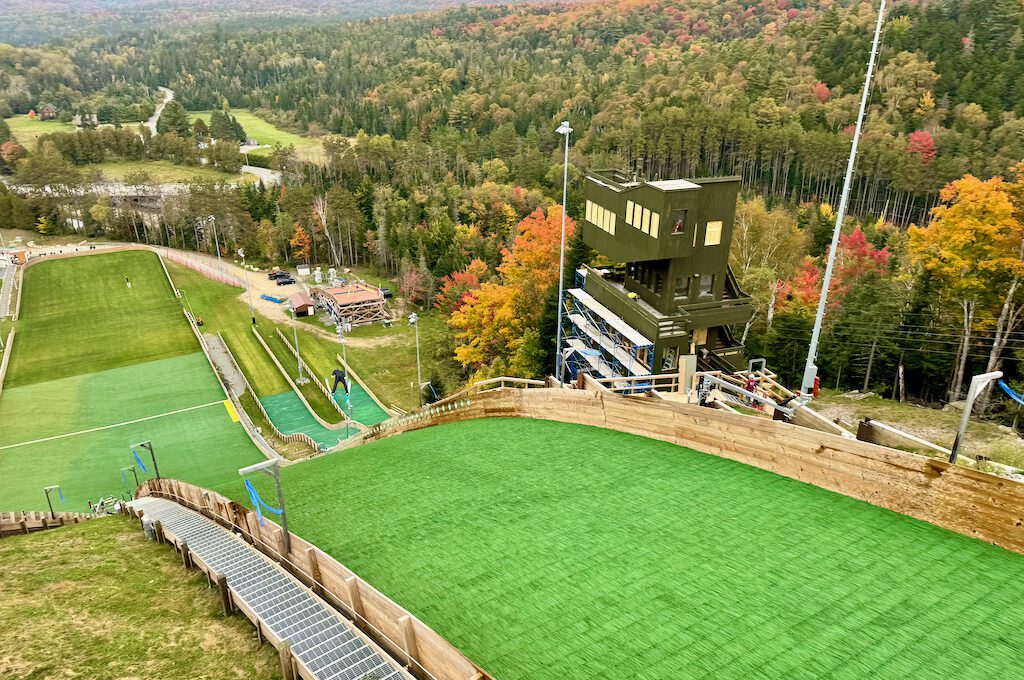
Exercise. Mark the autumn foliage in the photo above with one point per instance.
(496, 323)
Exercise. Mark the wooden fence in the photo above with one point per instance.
(5, 360)
(969, 502)
(398, 632)
(12, 523)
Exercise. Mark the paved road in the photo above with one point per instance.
(168, 96)
(268, 176)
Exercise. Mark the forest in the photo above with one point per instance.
(441, 163)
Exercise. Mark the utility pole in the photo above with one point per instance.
(216, 241)
(811, 369)
(978, 383)
(298, 356)
(134, 474)
(414, 320)
(245, 273)
(563, 129)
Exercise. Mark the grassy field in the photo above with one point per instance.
(97, 600)
(98, 366)
(26, 131)
(85, 299)
(265, 132)
(554, 551)
(165, 171)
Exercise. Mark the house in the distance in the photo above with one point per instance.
(48, 112)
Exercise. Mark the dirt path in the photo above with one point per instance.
(168, 96)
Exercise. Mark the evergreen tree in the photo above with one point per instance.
(174, 119)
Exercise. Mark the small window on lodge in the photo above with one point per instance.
(611, 223)
(629, 212)
(590, 212)
(713, 233)
(707, 285)
(655, 223)
(678, 222)
(637, 215)
(645, 222)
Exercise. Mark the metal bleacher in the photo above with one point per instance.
(327, 645)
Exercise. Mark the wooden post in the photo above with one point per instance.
(158, 531)
(352, 584)
(314, 571)
(225, 594)
(287, 668)
(186, 556)
(259, 630)
(409, 637)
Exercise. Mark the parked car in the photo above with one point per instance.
(387, 293)
(285, 280)
(277, 273)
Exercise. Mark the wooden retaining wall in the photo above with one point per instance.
(969, 502)
(5, 360)
(389, 625)
(13, 523)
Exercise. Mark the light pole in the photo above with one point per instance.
(245, 273)
(148, 445)
(415, 321)
(271, 469)
(978, 383)
(134, 474)
(343, 327)
(298, 356)
(216, 241)
(60, 495)
(811, 369)
(563, 129)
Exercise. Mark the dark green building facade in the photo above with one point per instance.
(670, 280)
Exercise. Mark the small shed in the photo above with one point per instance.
(48, 112)
(302, 304)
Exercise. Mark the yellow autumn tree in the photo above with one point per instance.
(973, 248)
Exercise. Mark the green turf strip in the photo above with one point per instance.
(290, 416)
(552, 551)
(200, 444)
(78, 316)
(363, 408)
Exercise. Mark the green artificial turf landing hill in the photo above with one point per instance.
(549, 551)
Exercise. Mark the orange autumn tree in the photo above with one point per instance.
(496, 325)
(974, 247)
(300, 241)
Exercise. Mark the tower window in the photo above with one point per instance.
(678, 222)
(707, 285)
(713, 233)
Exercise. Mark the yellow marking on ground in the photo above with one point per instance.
(231, 410)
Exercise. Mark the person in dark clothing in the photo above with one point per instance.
(339, 378)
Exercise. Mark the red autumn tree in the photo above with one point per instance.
(456, 287)
(921, 143)
(856, 258)
(821, 92)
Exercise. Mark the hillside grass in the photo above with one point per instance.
(96, 600)
(555, 551)
(26, 131)
(265, 132)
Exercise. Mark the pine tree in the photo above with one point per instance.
(174, 119)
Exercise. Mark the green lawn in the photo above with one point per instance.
(165, 171)
(92, 355)
(265, 132)
(553, 551)
(78, 316)
(116, 606)
(26, 131)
